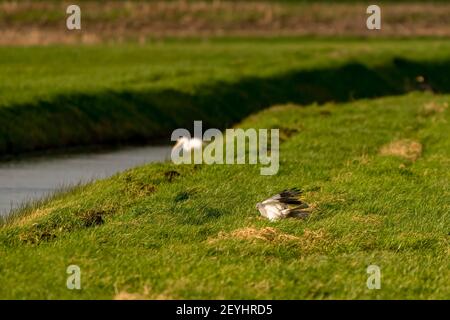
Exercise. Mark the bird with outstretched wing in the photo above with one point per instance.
(285, 204)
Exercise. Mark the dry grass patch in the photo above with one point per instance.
(249, 233)
(433, 107)
(310, 238)
(27, 219)
(368, 219)
(407, 149)
(147, 294)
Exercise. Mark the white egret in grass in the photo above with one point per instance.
(282, 205)
(188, 144)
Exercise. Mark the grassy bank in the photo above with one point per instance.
(53, 97)
(150, 234)
(374, 169)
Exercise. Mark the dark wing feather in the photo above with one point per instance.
(289, 197)
(298, 213)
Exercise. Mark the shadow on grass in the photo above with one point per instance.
(114, 117)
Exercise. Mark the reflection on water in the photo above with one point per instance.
(32, 179)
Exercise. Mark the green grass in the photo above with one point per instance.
(107, 94)
(152, 234)
(143, 233)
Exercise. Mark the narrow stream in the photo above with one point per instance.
(31, 179)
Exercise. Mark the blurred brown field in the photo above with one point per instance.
(43, 22)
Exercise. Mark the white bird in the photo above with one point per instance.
(282, 205)
(188, 144)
